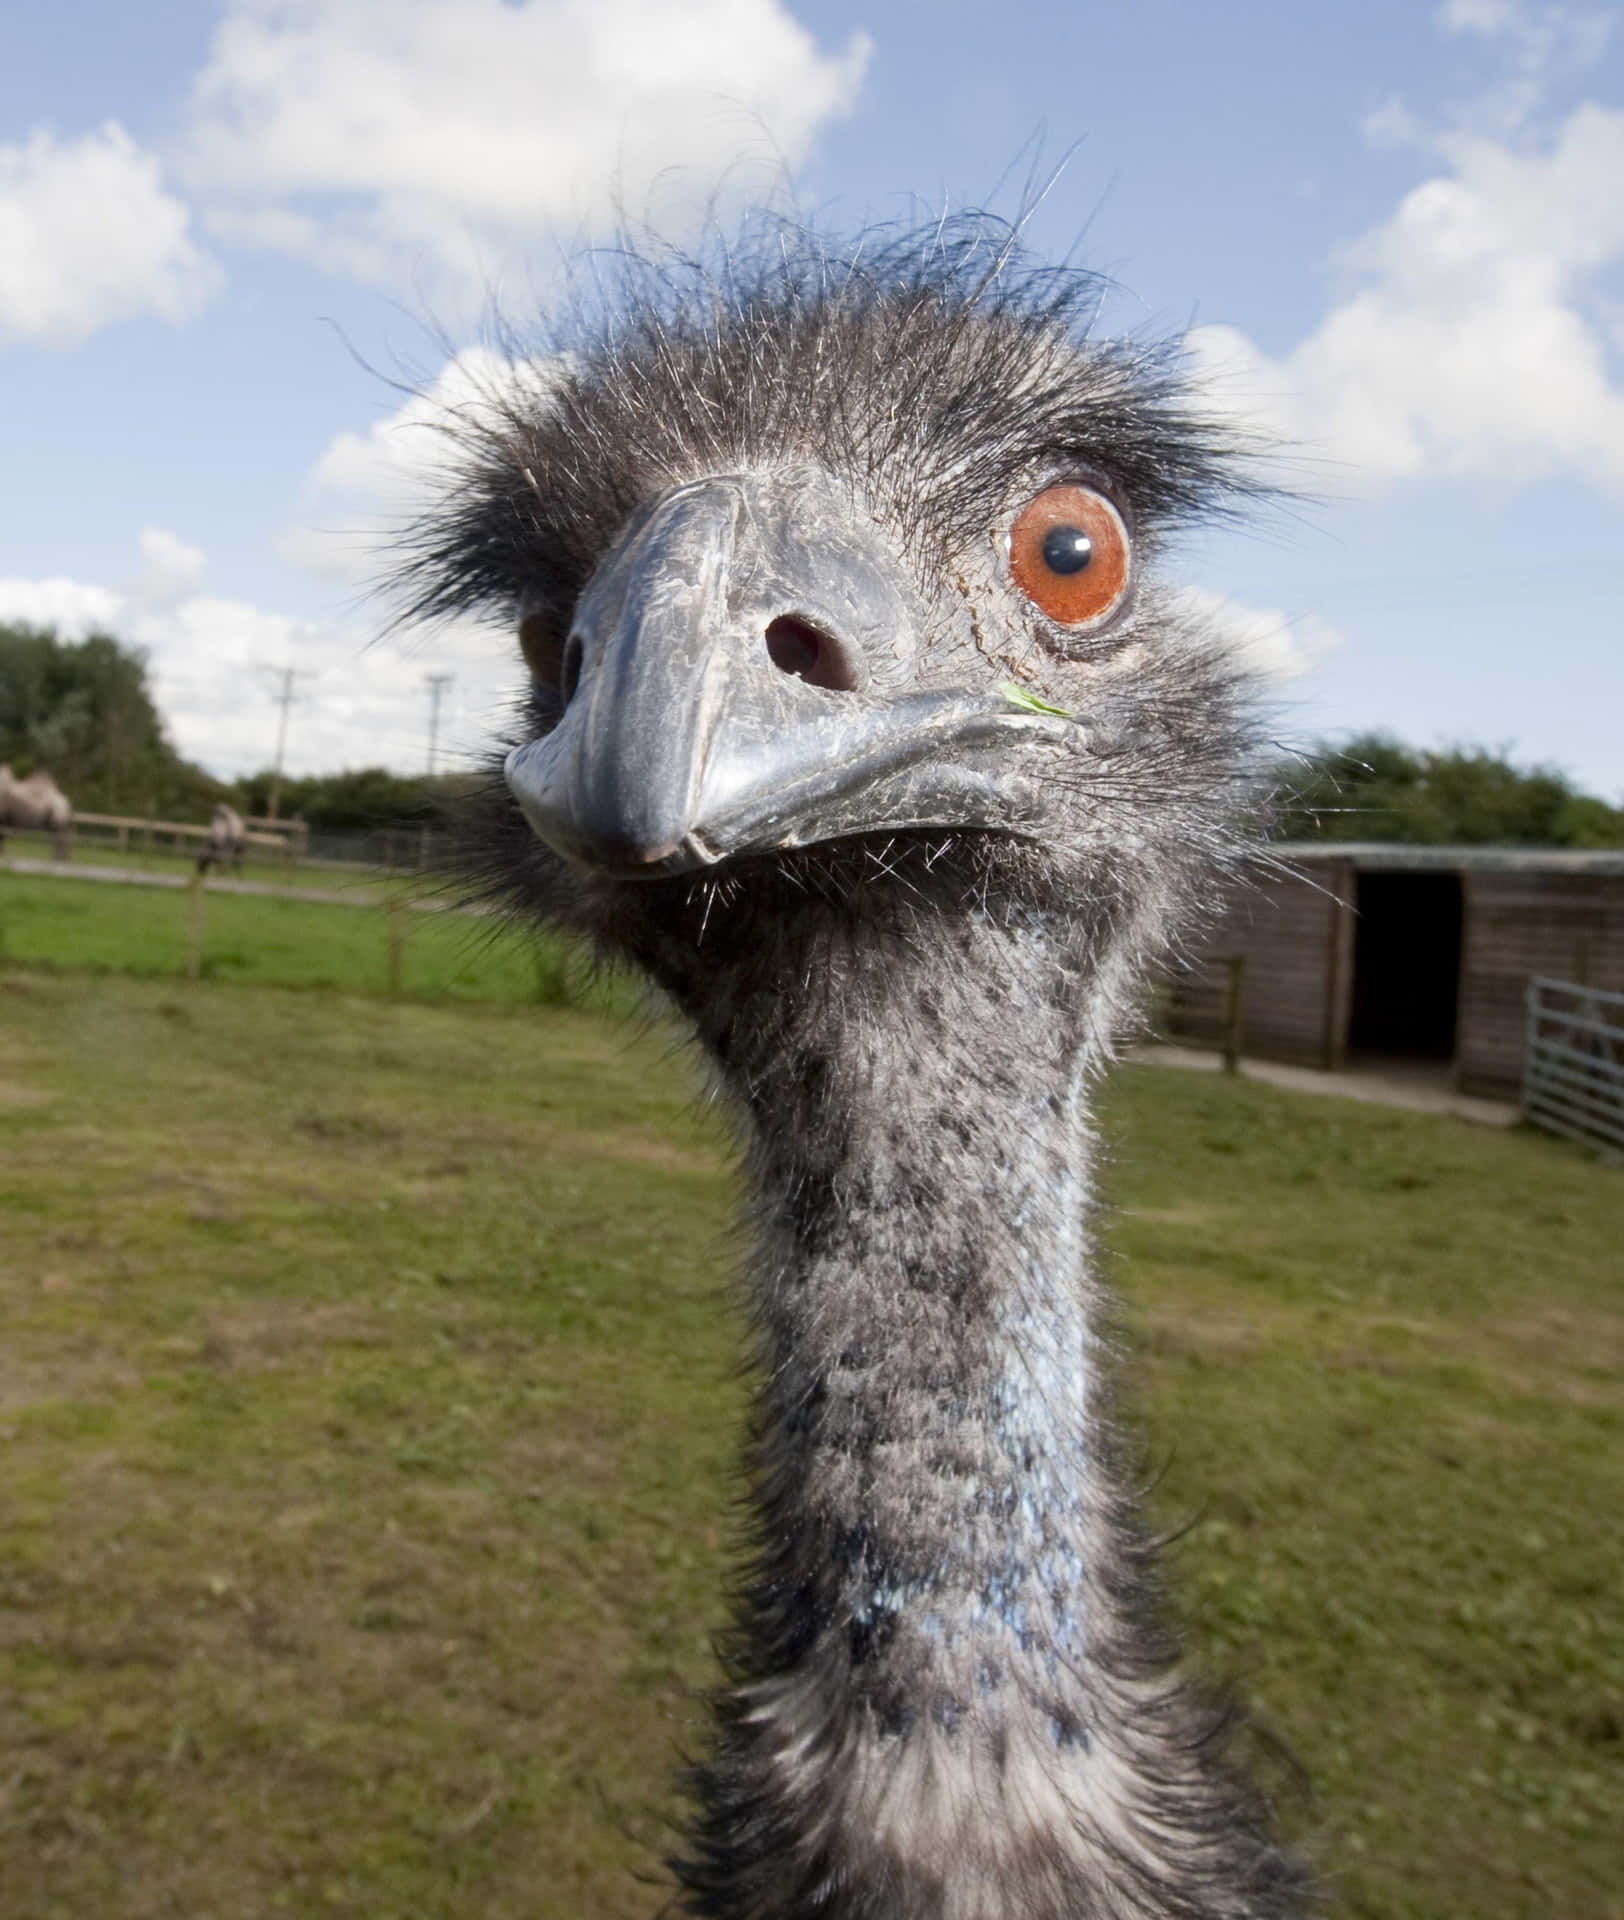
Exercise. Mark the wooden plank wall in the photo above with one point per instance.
(1296, 934)
(1517, 925)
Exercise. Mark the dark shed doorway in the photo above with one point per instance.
(1406, 965)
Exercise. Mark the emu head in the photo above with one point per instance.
(835, 578)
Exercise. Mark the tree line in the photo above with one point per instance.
(1377, 788)
(83, 710)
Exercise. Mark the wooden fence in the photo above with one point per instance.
(398, 908)
(1573, 1063)
(287, 838)
(1206, 1002)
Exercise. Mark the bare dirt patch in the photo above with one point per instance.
(72, 1369)
(644, 1150)
(275, 1333)
(1167, 1329)
(12, 1095)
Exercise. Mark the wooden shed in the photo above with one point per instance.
(1377, 951)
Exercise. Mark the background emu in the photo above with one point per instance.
(227, 839)
(36, 802)
(859, 722)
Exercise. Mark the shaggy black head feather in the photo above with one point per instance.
(953, 1694)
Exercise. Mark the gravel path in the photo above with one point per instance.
(1423, 1089)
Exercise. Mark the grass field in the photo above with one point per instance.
(367, 1399)
(85, 925)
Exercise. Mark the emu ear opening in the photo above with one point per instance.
(1071, 556)
(547, 652)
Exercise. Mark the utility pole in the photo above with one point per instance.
(436, 684)
(284, 699)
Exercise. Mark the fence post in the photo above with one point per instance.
(552, 973)
(194, 927)
(1234, 1011)
(397, 944)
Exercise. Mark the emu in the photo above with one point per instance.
(37, 802)
(859, 721)
(227, 839)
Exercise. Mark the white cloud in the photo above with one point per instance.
(89, 236)
(1392, 124)
(1478, 16)
(1537, 34)
(1468, 345)
(71, 607)
(1275, 645)
(417, 143)
(215, 664)
(1540, 44)
(365, 486)
(170, 571)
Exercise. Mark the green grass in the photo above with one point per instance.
(367, 1400)
(73, 925)
(1391, 1349)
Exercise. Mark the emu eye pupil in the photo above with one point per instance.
(1067, 549)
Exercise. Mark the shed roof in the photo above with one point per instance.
(1391, 856)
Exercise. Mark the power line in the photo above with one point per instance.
(436, 684)
(284, 699)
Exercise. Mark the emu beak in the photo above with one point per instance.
(732, 653)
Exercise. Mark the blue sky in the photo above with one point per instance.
(1396, 231)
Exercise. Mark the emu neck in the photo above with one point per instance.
(950, 1695)
(924, 1302)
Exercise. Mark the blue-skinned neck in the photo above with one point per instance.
(923, 1303)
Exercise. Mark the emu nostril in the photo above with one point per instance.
(569, 673)
(795, 646)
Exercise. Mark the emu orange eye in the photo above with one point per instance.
(1069, 554)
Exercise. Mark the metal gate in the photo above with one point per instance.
(1573, 1065)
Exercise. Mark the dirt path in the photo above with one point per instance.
(1422, 1089)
